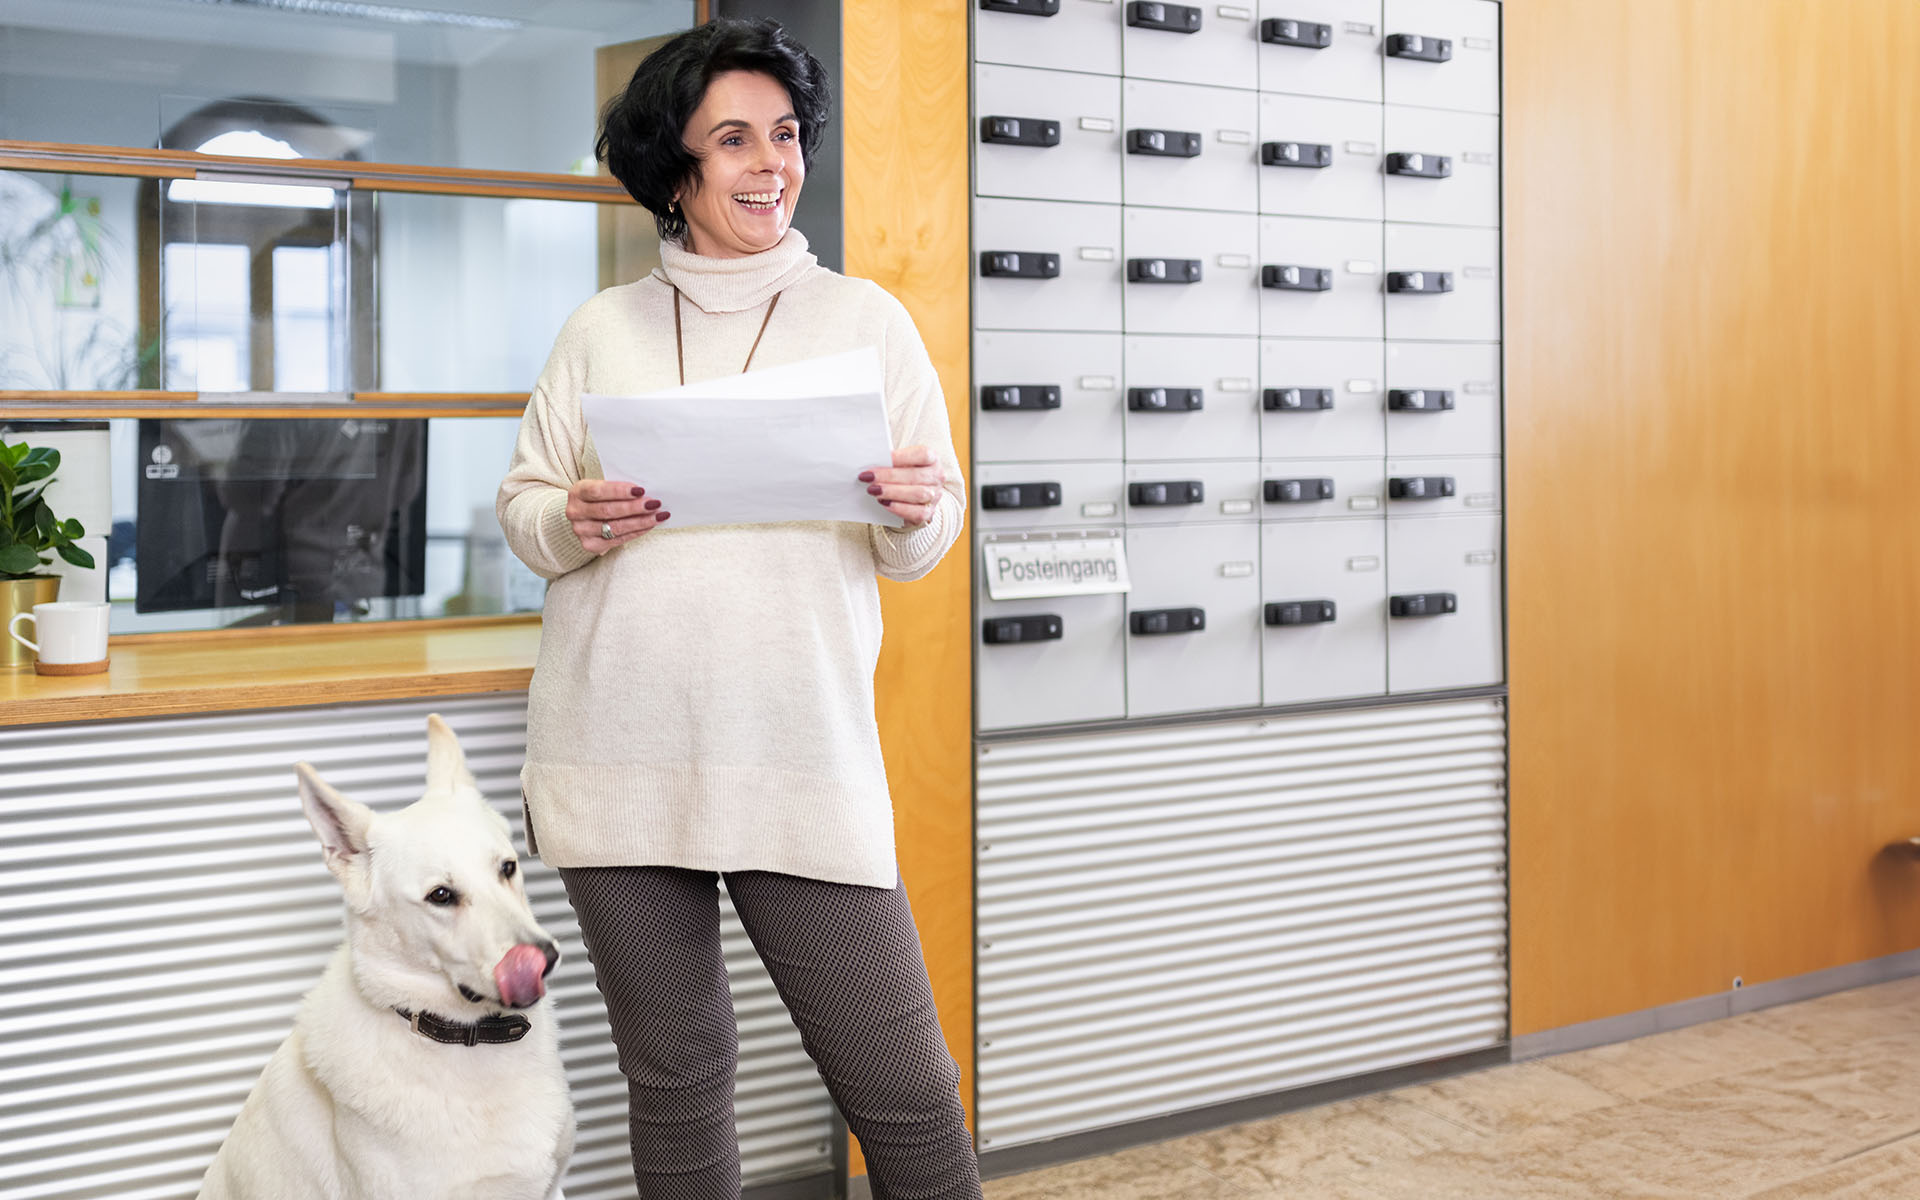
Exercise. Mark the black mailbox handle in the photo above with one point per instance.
(1166, 493)
(1009, 631)
(1022, 8)
(1288, 278)
(1423, 604)
(1165, 399)
(1416, 165)
(1306, 35)
(1163, 270)
(1300, 612)
(1419, 47)
(1419, 399)
(1420, 487)
(1170, 18)
(1020, 495)
(1296, 399)
(1019, 131)
(1147, 622)
(1298, 491)
(1428, 283)
(1309, 155)
(1164, 143)
(1019, 264)
(1019, 397)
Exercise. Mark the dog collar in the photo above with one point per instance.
(493, 1030)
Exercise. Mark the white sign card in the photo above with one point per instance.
(1023, 570)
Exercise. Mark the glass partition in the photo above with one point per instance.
(70, 285)
(485, 84)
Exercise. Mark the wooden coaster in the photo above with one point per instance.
(92, 668)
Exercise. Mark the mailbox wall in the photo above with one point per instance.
(1234, 268)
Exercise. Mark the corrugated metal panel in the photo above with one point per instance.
(1176, 917)
(163, 909)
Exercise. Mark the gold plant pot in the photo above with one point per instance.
(18, 596)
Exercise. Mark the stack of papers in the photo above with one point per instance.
(783, 444)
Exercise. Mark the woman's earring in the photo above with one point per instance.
(670, 205)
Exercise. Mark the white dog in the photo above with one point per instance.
(424, 1064)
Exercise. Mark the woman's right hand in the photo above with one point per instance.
(598, 506)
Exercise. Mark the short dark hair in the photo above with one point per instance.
(640, 128)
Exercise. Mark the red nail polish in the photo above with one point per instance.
(873, 489)
(651, 505)
(639, 492)
(866, 477)
(661, 516)
(888, 503)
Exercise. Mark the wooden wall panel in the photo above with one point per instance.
(1713, 288)
(904, 114)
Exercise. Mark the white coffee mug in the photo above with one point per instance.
(72, 633)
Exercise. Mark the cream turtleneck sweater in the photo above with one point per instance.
(704, 696)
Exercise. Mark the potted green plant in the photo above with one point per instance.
(28, 531)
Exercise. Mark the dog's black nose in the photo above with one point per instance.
(553, 956)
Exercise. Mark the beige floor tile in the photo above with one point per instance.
(1506, 1100)
(1642, 1067)
(1156, 1172)
(1838, 1023)
(1879, 1174)
(1289, 1151)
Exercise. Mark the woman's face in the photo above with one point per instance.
(741, 197)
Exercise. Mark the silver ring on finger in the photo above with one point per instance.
(606, 531)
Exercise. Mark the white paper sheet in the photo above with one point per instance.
(783, 444)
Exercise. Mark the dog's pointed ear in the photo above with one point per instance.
(446, 762)
(340, 823)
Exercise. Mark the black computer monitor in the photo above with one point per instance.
(302, 516)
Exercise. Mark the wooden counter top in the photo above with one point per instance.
(156, 675)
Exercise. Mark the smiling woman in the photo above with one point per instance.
(683, 724)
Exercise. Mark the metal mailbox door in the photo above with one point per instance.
(1442, 168)
(1188, 147)
(1296, 489)
(1443, 578)
(1182, 493)
(1184, 42)
(1443, 54)
(1443, 284)
(1323, 610)
(1083, 293)
(1320, 399)
(1073, 668)
(1192, 398)
(1443, 399)
(1012, 496)
(1343, 61)
(1319, 158)
(1178, 571)
(1047, 397)
(1077, 35)
(1046, 135)
(1164, 246)
(1439, 487)
(1319, 278)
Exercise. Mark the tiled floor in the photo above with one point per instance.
(1817, 1099)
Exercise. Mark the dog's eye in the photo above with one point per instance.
(442, 896)
(507, 869)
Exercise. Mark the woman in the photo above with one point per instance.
(703, 702)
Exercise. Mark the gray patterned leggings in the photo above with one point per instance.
(847, 962)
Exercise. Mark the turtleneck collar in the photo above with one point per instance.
(721, 285)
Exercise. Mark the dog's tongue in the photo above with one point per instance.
(519, 975)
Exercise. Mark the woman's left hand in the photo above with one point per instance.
(912, 487)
